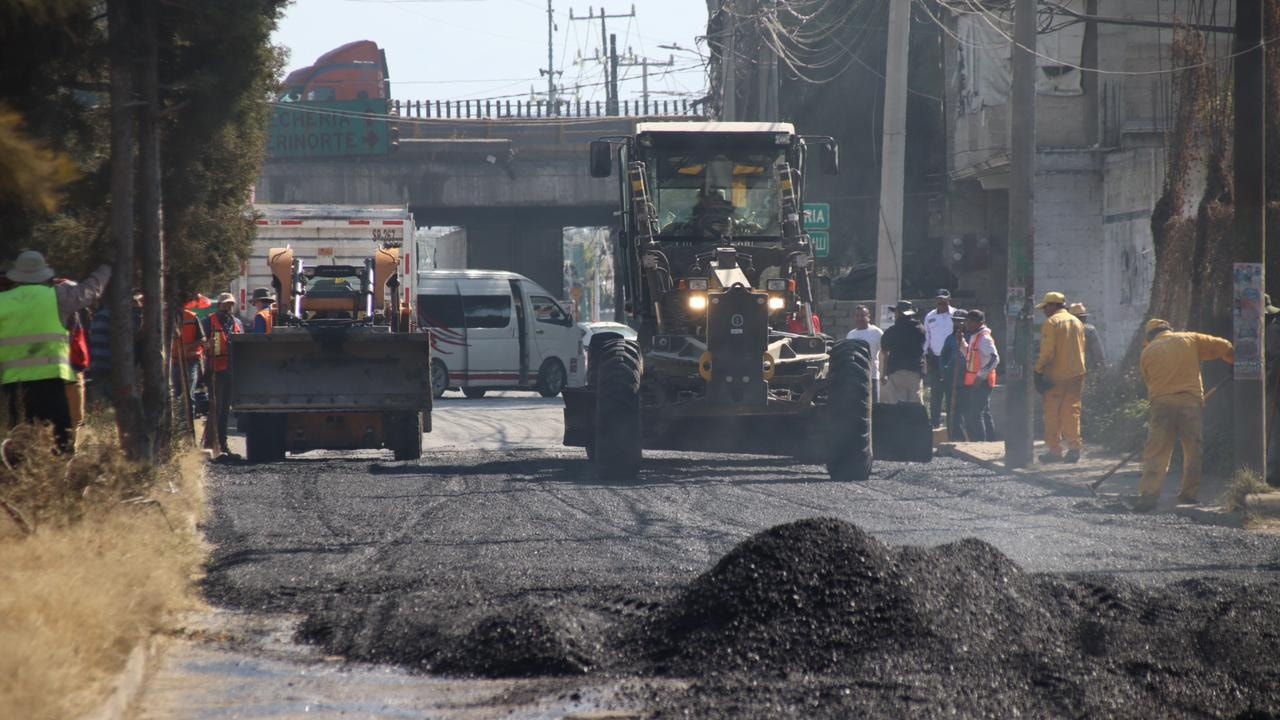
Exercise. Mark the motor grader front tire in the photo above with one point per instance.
(848, 426)
(616, 450)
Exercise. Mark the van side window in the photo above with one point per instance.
(442, 311)
(548, 311)
(487, 311)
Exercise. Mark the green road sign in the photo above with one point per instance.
(328, 129)
(817, 216)
(821, 240)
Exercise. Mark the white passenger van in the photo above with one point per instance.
(495, 330)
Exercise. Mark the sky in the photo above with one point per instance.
(477, 49)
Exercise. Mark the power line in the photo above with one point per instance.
(1057, 61)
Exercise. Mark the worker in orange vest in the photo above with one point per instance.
(187, 354)
(264, 319)
(981, 359)
(219, 327)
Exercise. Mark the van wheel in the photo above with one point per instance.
(617, 444)
(439, 378)
(551, 378)
(474, 393)
(848, 423)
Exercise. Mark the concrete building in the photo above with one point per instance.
(1100, 163)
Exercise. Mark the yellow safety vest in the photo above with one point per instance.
(34, 345)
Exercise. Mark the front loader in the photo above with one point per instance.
(715, 272)
(340, 370)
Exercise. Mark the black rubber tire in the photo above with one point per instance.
(617, 445)
(406, 436)
(439, 377)
(551, 378)
(264, 437)
(849, 412)
(474, 393)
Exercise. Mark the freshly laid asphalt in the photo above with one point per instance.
(382, 558)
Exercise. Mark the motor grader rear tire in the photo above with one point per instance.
(849, 412)
(616, 451)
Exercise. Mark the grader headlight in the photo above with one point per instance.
(698, 302)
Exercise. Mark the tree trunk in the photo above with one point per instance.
(155, 387)
(128, 406)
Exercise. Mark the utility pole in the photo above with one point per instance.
(1250, 230)
(613, 74)
(550, 71)
(1018, 442)
(608, 58)
(644, 64)
(767, 70)
(728, 66)
(893, 153)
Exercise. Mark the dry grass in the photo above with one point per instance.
(113, 557)
(1242, 484)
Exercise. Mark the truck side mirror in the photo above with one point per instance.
(831, 159)
(601, 159)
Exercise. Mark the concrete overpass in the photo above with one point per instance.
(514, 183)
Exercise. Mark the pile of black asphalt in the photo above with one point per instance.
(818, 619)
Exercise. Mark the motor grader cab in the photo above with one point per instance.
(341, 369)
(716, 277)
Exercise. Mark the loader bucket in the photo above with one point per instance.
(318, 369)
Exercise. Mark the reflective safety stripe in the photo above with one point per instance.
(32, 339)
(37, 361)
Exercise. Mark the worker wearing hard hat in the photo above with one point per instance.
(1170, 366)
(1061, 365)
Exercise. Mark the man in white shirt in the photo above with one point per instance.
(870, 334)
(937, 328)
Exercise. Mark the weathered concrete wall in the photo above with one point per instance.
(1068, 225)
(1132, 181)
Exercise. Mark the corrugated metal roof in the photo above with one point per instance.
(722, 127)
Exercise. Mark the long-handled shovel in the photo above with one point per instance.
(1093, 486)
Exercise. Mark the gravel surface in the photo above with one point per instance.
(759, 587)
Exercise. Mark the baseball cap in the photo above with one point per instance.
(942, 294)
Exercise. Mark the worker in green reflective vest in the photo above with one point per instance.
(35, 348)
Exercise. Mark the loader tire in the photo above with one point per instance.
(616, 450)
(848, 423)
(406, 438)
(264, 437)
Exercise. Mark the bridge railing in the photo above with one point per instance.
(491, 109)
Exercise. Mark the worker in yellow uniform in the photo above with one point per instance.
(1171, 369)
(1061, 366)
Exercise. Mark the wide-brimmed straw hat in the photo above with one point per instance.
(29, 268)
(1052, 298)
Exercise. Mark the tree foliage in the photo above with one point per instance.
(217, 70)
